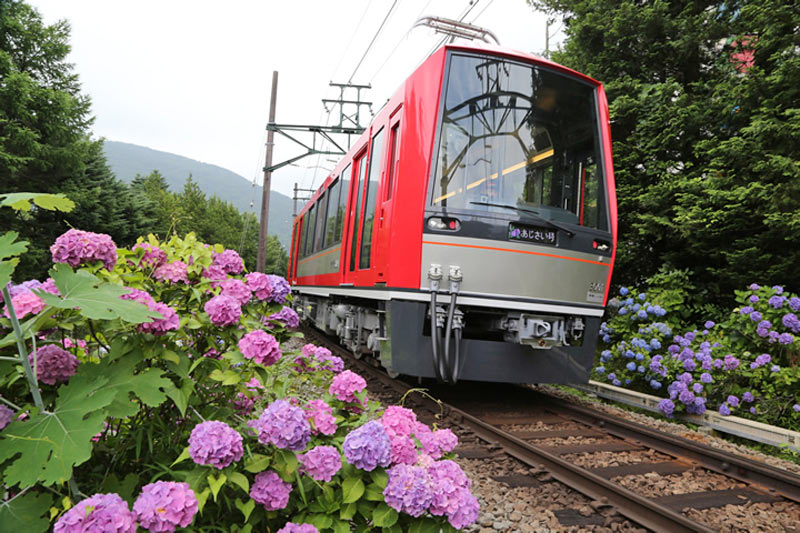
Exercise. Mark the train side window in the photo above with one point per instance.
(340, 213)
(369, 206)
(319, 230)
(301, 244)
(309, 245)
(333, 210)
(393, 142)
(360, 168)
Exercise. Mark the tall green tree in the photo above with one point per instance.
(705, 147)
(45, 144)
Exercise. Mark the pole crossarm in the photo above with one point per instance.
(323, 131)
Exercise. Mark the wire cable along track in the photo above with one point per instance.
(503, 416)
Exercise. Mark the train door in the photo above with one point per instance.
(353, 219)
(388, 179)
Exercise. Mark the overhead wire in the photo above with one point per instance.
(369, 46)
(397, 46)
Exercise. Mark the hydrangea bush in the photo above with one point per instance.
(162, 386)
(744, 364)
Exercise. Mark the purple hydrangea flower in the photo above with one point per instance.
(786, 338)
(705, 377)
(794, 303)
(77, 247)
(791, 321)
(709, 324)
(260, 285)
(368, 446)
(796, 408)
(261, 347)
(236, 289)
(53, 364)
(724, 410)
(666, 406)
(215, 275)
(321, 462)
(291, 527)
(284, 426)
(697, 388)
(754, 286)
(752, 410)
(686, 397)
(280, 288)
(409, 489)
(223, 310)
(287, 317)
(746, 310)
(777, 301)
(271, 491)
(731, 363)
(6, 416)
(229, 261)
(755, 316)
(345, 386)
(778, 289)
(215, 444)
(174, 272)
(753, 299)
(106, 513)
(153, 255)
(747, 397)
(733, 401)
(774, 368)
(165, 505)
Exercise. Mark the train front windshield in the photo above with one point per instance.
(520, 140)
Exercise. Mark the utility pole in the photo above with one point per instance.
(296, 197)
(262, 232)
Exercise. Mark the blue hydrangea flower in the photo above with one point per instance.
(643, 297)
(640, 369)
(368, 446)
(724, 410)
(747, 397)
(617, 383)
(709, 324)
(666, 406)
(705, 377)
(655, 384)
(775, 368)
(631, 366)
(733, 401)
(624, 291)
(600, 370)
(623, 310)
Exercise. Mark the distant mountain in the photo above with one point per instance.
(128, 160)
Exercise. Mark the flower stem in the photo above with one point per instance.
(23, 353)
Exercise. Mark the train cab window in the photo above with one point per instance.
(360, 164)
(319, 230)
(369, 206)
(517, 138)
(333, 212)
(340, 213)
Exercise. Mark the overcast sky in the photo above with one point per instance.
(193, 77)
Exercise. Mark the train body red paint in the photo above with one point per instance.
(470, 231)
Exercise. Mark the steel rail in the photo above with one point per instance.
(741, 468)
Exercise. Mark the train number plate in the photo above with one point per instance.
(523, 232)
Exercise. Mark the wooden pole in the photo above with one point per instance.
(262, 232)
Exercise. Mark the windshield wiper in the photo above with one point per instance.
(536, 215)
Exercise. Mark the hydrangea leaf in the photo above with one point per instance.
(240, 480)
(320, 521)
(10, 247)
(352, 489)
(45, 447)
(27, 512)
(384, 516)
(95, 299)
(216, 483)
(340, 526)
(21, 201)
(246, 508)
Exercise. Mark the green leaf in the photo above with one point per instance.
(380, 478)
(182, 457)
(97, 300)
(320, 521)
(245, 507)
(169, 355)
(373, 493)
(27, 512)
(202, 497)
(424, 525)
(45, 447)
(348, 511)
(384, 516)
(21, 201)
(257, 463)
(124, 488)
(394, 529)
(285, 462)
(352, 489)
(216, 483)
(149, 385)
(340, 526)
(179, 396)
(240, 480)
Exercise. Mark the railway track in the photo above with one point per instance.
(562, 438)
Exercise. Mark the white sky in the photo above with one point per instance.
(192, 77)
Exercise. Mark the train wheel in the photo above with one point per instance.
(392, 374)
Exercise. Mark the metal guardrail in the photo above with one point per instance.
(733, 425)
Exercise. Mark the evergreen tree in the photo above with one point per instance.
(705, 146)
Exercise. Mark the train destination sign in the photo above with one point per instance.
(523, 232)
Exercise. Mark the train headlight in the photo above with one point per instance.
(444, 224)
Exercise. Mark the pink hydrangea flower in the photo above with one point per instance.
(398, 421)
(6, 416)
(223, 310)
(136, 295)
(24, 303)
(165, 505)
(260, 285)
(451, 495)
(215, 443)
(160, 326)
(174, 272)
(320, 415)
(261, 347)
(153, 255)
(404, 451)
(53, 364)
(446, 440)
(271, 491)
(236, 289)
(215, 274)
(243, 404)
(107, 513)
(345, 386)
(291, 527)
(229, 261)
(77, 247)
(321, 462)
(50, 286)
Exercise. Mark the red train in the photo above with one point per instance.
(470, 232)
